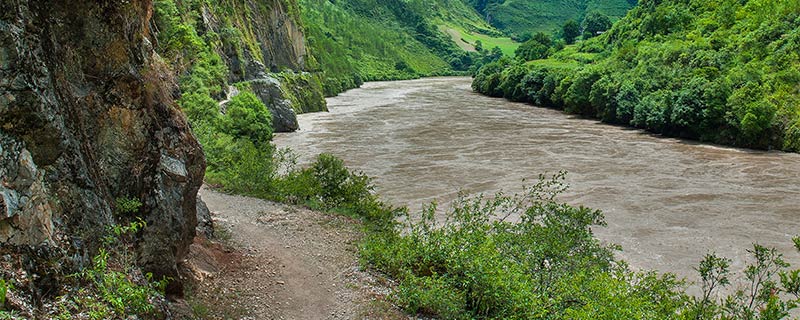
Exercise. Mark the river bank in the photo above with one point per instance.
(667, 201)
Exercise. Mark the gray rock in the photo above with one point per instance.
(205, 224)
(269, 91)
(280, 38)
(87, 116)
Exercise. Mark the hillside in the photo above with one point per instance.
(519, 17)
(363, 40)
(724, 71)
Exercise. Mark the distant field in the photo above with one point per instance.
(506, 44)
(456, 35)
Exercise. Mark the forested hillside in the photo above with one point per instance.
(362, 40)
(520, 17)
(724, 71)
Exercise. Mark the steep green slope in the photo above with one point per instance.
(724, 71)
(361, 40)
(519, 17)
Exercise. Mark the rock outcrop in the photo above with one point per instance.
(269, 37)
(86, 117)
(268, 90)
(265, 46)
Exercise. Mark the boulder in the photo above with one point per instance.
(269, 91)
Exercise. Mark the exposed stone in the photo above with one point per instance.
(87, 116)
(276, 40)
(268, 90)
(205, 224)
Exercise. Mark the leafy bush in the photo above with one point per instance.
(538, 47)
(126, 205)
(247, 117)
(113, 287)
(480, 264)
(570, 31)
(594, 24)
(771, 291)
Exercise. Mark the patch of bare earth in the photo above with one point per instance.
(281, 262)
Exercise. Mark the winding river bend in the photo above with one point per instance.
(667, 202)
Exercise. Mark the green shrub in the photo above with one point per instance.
(126, 205)
(113, 287)
(536, 48)
(247, 117)
(570, 31)
(338, 186)
(119, 291)
(479, 264)
(431, 296)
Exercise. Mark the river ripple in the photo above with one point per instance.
(667, 201)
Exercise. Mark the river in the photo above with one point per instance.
(667, 201)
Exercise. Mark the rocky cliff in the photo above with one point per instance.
(87, 116)
(215, 44)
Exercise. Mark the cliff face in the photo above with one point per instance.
(267, 36)
(257, 41)
(86, 117)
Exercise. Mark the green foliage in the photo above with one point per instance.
(770, 292)
(304, 90)
(538, 47)
(113, 287)
(247, 117)
(4, 288)
(518, 17)
(118, 232)
(119, 292)
(10, 315)
(570, 31)
(680, 68)
(127, 205)
(594, 24)
(480, 264)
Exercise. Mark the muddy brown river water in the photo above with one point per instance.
(667, 202)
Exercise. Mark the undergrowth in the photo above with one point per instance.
(521, 256)
(113, 286)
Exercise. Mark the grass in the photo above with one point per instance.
(507, 45)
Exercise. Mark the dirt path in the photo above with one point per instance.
(285, 262)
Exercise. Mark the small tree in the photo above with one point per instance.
(478, 45)
(537, 47)
(247, 117)
(571, 30)
(594, 24)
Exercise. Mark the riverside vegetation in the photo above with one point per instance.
(482, 263)
(477, 263)
(717, 71)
